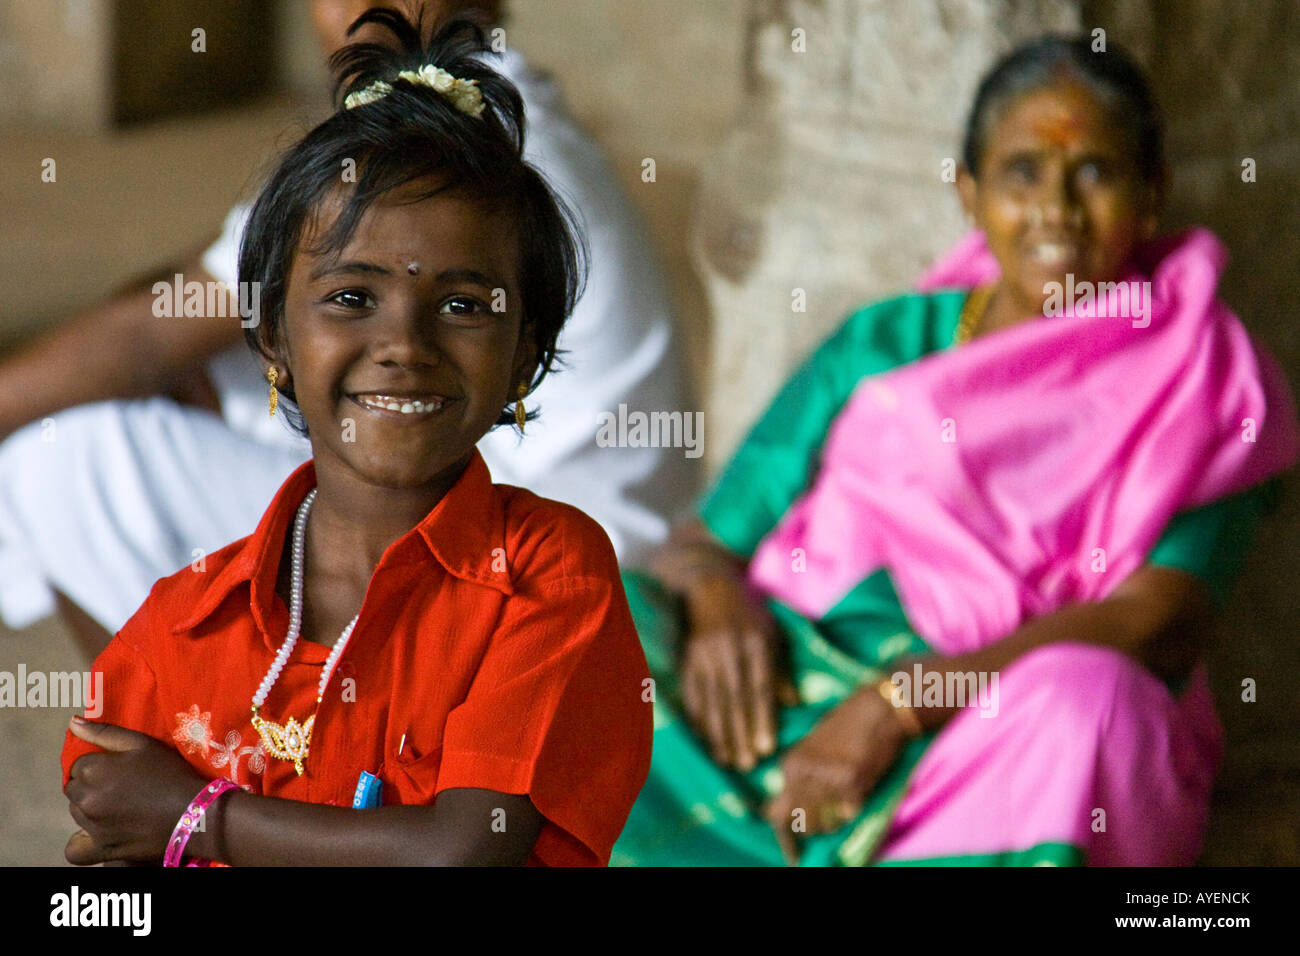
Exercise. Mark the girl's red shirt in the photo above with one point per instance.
(494, 649)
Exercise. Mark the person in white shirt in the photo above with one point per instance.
(126, 469)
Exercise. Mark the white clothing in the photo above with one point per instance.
(127, 492)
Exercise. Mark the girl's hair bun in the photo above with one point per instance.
(457, 48)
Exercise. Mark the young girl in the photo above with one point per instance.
(395, 615)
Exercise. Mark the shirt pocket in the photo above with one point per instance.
(412, 775)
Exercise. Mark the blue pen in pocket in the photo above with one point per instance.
(368, 792)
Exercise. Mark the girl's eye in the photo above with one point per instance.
(353, 299)
(460, 305)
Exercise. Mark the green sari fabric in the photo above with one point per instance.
(694, 812)
(691, 811)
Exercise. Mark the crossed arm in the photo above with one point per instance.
(127, 801)
(1158, 616)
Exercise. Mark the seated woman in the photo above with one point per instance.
(1006, 505)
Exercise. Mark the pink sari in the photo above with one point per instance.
(1030, 469)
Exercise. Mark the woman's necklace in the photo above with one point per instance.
(972, 312)
(292, 740)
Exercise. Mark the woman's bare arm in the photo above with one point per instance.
(1159, 616)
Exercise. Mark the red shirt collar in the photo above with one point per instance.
(465, 533)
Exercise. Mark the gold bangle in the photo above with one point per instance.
(905, 712)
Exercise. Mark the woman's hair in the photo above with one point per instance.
(1113, 76)
(411, 133)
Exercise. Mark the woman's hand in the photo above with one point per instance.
(126, 801)
(731, 679)
(829, 773)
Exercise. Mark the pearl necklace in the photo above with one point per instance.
(292, 740)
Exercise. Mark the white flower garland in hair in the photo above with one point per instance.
(462, 94)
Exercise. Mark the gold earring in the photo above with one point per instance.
(521, 416)
(271, 376)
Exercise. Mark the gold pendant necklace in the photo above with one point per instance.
(292, 740)
(289, 741)
(972, 312)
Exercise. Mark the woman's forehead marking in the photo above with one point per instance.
(1062, 129)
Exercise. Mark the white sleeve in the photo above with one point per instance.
(221, 260)
(620, 349)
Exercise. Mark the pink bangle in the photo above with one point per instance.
(192, 816)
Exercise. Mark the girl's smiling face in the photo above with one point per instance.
(363, 331)
(1059, 191)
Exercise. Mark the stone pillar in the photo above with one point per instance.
(832, 181)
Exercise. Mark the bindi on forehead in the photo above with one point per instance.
(1064, 115)
(1061, 129)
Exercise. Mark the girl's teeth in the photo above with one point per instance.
(412, 407)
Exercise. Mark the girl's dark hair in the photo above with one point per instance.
(411, 133)
(1113, 75)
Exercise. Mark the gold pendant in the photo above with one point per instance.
(288, 742)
